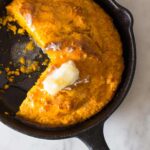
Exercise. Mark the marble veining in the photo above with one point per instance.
(129, 127)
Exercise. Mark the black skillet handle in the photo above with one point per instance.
(94, 138)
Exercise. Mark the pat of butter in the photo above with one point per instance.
(60, 78)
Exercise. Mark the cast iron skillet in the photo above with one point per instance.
(91, 130)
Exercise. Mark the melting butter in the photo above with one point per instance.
(61, 77)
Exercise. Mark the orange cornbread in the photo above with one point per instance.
(71, 30)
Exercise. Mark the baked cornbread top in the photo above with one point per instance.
(76, 31)
(50, 21)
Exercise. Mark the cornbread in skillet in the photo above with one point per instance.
(81, 41)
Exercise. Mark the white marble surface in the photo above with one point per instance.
(129, 127)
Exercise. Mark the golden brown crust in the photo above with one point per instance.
(87, 36)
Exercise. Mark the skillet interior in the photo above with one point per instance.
(12, 99)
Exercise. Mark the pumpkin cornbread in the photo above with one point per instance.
(77, 34)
